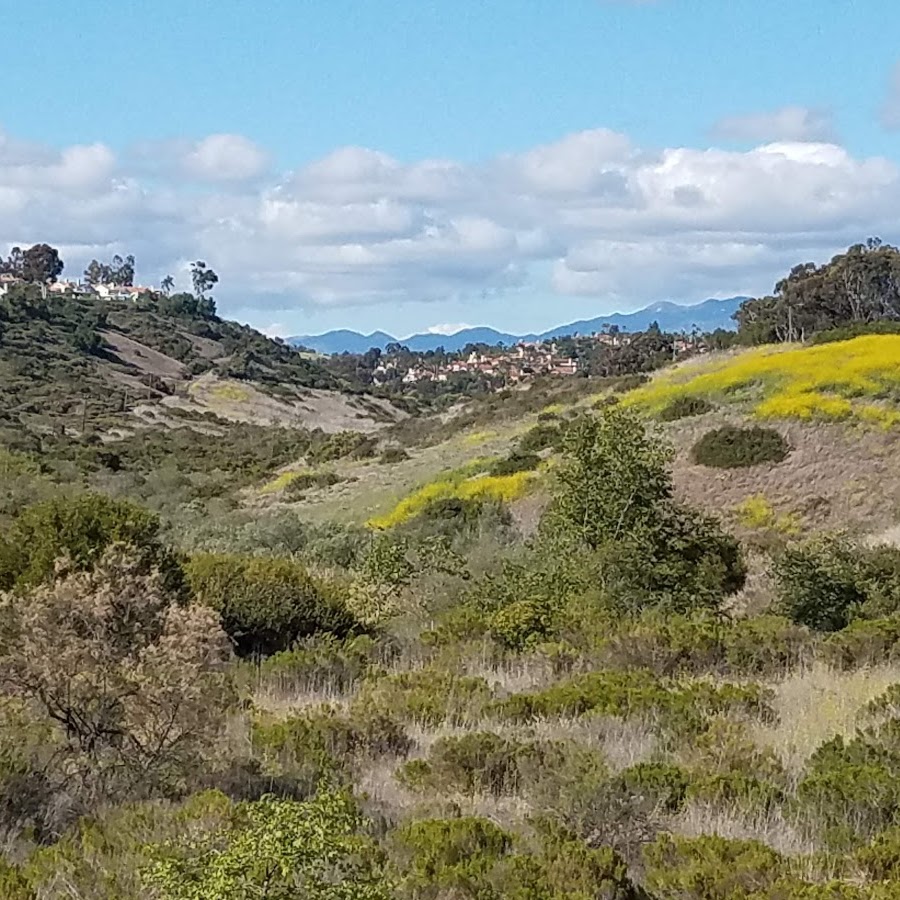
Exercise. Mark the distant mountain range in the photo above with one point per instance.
(706, 316)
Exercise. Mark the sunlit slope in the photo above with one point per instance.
(845, 380)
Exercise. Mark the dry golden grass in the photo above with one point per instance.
(772, 829)
(816, 705)
(836, 476)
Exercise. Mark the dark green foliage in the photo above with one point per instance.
(712, 868)
(541, 437)
(322, 664)
(612, 481)
(472, 857)
(766, 645)
(340, 445)
(864, 642)
(636, 693)
(851, 789)
(304, 481)
(731, 447)
(854, 290)
(517, 461)
(848, 332)
(663, 784)
(267, 605)
(685, 407)
(482, 762)
(615, 498)
(80, 528)
(828, 581)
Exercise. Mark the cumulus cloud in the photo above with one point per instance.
(890, 111)
(790, 123)
(591, 214)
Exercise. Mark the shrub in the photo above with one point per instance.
(321, 663)
(275, 848)
(662, 784)
(712, 868)
(864, 642)
(666, 644)
(636, 693)
(685, 407)
(427, 696)
(266, 605)
(132, 681)
(448, 853)
(851, 790)
(544, 436)
(731, 447)
(391, 455)
(81, 528)
(517, 461)
(472, 857)
(826, 582)
(766, 645)
(326, 739)
(304, 481)
(481, 762)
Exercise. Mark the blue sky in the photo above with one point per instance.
(578, 142)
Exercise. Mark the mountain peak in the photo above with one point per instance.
(707, 316)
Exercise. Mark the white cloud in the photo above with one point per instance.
(225, 157)
(890, 111)
(591, 214)
(790, 123)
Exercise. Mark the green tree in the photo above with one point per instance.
(167, 284)
(613, 479)
(277, 850)
(203, 278)
(41, 264)
(614, 502)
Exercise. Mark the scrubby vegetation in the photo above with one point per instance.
(731, 447)
(539, 672)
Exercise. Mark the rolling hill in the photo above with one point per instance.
(73, 365)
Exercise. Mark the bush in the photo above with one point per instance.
(266, 605)
(517, 461)
(712, 868)
(427, 697)
(637, 693)
(304, 481)
(391, 455)
(81, 528)
(482, 762)
(544, 436)
(685, 407)
(731, 447)
(851, 790)
(472, 857)
(864, 642)
(766, 645)
(828, 581)
(324, 739)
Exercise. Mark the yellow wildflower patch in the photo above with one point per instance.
(280, 482)
(826, 381)
(503, 488)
